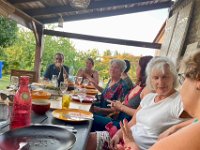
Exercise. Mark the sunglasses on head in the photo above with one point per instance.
(4, 96)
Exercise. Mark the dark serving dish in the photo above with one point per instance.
(37, 137)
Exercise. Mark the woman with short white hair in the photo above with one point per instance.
(115, 89)
(187, 138)
(157, 111)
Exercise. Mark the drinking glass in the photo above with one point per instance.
(85, 82)
(54, 80)
(66, 99)
(14, 81)
(79, 80)
(5, 112)
(63, 87)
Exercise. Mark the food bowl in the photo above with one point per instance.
(40, 95)
(40, 106)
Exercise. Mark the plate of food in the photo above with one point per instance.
(91, 92)
(89, 87)
(86, 99)
(74, 115)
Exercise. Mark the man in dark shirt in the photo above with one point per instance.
(55, 68)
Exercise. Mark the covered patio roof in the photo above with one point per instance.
(34, 14)
(31, 13)
(49, 11)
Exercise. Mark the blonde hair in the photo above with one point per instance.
(192, 66)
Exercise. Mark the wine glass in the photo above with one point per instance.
(79, 80)
(63, 87)
(14, 81)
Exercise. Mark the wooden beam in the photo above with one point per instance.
(68, 8)
(21, 1)
(38, 32)
(103, 39)
(17, 15)
(95, 14)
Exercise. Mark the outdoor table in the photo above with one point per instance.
(82, 127)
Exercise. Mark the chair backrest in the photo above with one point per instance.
(18, 73)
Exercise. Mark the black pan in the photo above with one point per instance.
(37, 137)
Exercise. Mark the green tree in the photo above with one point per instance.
(21, 54)
(8, 32)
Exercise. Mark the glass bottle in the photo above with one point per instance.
(21, 114)
(60, 76)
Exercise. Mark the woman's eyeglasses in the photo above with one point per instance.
(181, 78)
(4, 97)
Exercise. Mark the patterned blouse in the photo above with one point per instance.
(116, 92)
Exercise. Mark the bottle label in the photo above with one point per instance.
(25, 96)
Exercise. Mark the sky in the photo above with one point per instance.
(142, 26)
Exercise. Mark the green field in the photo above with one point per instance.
(4, 81)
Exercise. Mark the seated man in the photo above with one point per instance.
(54, 69)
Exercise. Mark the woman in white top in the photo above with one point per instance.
(187, 138)
(157, 111)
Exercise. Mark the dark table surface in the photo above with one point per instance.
(83, 127)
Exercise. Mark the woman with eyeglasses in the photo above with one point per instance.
(157, 111)
(54, 69)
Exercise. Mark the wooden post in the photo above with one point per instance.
(38, 32)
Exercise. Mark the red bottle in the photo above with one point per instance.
(21, 114)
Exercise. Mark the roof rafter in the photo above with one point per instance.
(97, 14)
(21, 1)
(93, 5)
(103, 39)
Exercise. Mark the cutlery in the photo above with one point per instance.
(77, 117)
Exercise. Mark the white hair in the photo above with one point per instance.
(159, 64)
(120, 63)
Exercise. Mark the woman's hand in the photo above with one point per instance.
(92, 80)
(114, 141)
(129, 143)
(115, 105)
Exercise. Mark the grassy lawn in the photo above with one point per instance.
(4, 81)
